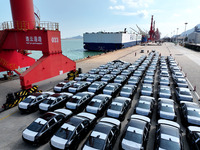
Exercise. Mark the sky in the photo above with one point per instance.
(76, 17)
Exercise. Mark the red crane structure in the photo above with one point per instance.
(24, 33)
(154, 35)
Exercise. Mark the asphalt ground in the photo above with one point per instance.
(12, 122)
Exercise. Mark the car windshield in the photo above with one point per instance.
(64, 133)
(132, 136)
(164, 90)
(76, 85)
(119, 78)
(170, 130)
(28, 100)
(95, 142)
(109, 87)
(48, 101)
(166, 109)
(95, 104)
(144, 105)
(167, 144)
(193, 113)
(60, 85)
(146, 88)
(126, 90)
(148, 78)
(185, 93)
(133, 79)
(181, 81)
(74, 99)
(94, 85)
(115, 107)
(35, 127)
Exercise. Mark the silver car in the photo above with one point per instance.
(147, 89)
(164, 91)
(183, 94)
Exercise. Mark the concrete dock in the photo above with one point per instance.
(12, 122)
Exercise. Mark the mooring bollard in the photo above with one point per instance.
(195, 88)
(135, 53)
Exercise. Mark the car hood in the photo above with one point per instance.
(29, 135)
(164, 95)
(88, 148)
(57, 89)
(167, 115)
(193, 120)
(23, 105)
(126, 144)
(142, 111)
(43, 106)
(92, 90)
(71, 89)
(125, 94)
(58, 142)
(113, 113)
(91, 109)
(71, 105)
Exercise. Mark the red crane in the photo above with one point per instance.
(152, 31)
(25, 34)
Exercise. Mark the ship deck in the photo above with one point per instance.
(13, 122)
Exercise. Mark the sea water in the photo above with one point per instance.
(72, 48)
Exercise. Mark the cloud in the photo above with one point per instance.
(119, 7)
(140, 13)
(176, 15)
(137, 3)
(113, 1)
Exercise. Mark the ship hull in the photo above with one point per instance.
(109, 41)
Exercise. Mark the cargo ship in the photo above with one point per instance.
(109, 41)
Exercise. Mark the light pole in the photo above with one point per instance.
(185, 30)
(177, 36)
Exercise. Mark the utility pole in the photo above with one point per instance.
(185, 30)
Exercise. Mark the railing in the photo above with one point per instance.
(24, 25)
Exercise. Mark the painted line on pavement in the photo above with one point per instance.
(8, 115)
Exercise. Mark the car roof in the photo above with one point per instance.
(48, 116)
(170, 123)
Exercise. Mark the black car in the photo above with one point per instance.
(193, 137)
(104, 134)
(41, 130)
(93, 77)
(98, 104)
(54, 101)
(134, 80)
(63, 86)
(118, 108)
(79, 86)
(97, 87)
(168, 135)
(128, 91)
(112, 89)
(136, 133)
(71, 133)
(108, 78)
(31, 103)
(190, 113)
(79, 101)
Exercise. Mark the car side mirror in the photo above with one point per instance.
(128, 119)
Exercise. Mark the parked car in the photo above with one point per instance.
(93, 77)
(126, 72)
(134, 80)
(193, 137)
(98, 104)
(136, 133)
(121, 79)
(108, 78)
(148, 79)
(183, 94)
(128, 91)
(31, 103)
(164, 92)
(41, 130)
(177, 74)
(166, 109)
(112, 89)
(54, 101)
(150, 73)
(146, 89)
(118, 108)
(63, 86)
(190, 113)
(144, 106)
(79, 101)
(71, 132)
(81, 77)
(104, 134)
(97, 87)
(164, 74)
(94, 71)
(116, 71)
(180, 82)
(138, 73)
(79, 87)
(104, 71)
(164, 81)
(168, 135)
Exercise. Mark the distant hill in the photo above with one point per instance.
(75, 37)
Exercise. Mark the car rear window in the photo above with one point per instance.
(167, 144)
